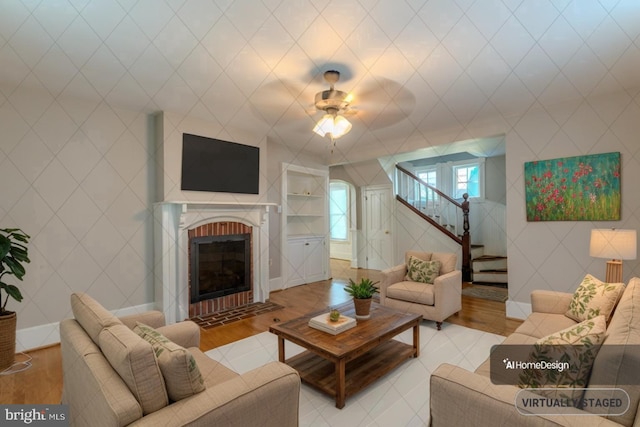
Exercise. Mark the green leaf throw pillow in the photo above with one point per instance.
(594, 298)
(179, 369)
(573, 350)
(422, 271)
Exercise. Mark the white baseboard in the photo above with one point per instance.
(276, 284)
(518, 310)
(44, 335)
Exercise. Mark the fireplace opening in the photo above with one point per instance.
(219, 265)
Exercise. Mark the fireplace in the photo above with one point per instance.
(177, 223)
(219, 266)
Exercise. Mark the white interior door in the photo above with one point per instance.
(377, 217)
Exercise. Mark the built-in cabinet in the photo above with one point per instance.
(305, 224)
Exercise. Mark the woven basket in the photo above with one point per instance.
(7, 340)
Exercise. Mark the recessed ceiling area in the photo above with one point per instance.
(412, 67)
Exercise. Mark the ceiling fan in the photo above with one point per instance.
(332, 102)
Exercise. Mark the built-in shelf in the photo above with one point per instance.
(305, 224)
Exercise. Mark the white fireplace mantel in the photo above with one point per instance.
(172, 222)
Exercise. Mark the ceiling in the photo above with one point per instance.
(412, 66)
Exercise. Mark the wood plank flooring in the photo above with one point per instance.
(42, 383)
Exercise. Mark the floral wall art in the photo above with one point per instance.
(580, 188)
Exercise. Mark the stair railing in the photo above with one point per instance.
(440, 210)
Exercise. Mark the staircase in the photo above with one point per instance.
(452, 219)
(488, 269)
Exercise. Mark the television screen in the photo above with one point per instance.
(210, 164)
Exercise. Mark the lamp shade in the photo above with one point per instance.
(613, 244)
(336, 126)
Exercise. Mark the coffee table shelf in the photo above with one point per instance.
(320, 373)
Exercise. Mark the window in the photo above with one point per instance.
(466, 180)
(430, 176)
(339, 211)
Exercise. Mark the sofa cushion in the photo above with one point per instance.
(578, 345)
(92, 316)
(593, 298)
(540, 325)
(422, 271)
(616, 364)
(135, 361)
(179, 369)
(421, 293)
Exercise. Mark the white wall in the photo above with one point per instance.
(78, 177)
(555, 255)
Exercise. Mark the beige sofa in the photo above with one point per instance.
(435, 301)
(98, 395)
(460, 397)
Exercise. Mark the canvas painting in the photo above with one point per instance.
(580, 188)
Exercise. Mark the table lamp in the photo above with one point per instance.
(616, 245)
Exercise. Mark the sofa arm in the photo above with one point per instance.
(551, 302)
(390, 276)
(152, 318)
(459, 397)
(266, 396)
(186, 334)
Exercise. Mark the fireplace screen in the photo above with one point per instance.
(219, 266)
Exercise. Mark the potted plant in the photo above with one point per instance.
(13, 253)
(362, 293)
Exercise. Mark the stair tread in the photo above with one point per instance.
(493, 271)
(489, 257)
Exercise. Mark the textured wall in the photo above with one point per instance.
(77, 176)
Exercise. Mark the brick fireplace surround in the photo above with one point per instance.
(238, 299)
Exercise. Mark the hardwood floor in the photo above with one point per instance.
(42, 383)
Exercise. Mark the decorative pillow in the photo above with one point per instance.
(178, 366)
(573, 351)
(134, 360)
(593, 298)
(422, 271)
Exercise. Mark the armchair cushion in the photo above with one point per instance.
(410, 291)
(134, 360)
(179, 369)
(593, 298)
(422, 271)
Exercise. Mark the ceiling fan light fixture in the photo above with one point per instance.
(331, 102)
(332, 124)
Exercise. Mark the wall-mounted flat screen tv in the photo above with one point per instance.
(210, 164)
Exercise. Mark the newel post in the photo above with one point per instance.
(466, 240)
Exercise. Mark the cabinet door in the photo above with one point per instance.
(295, 262)
(314, 262)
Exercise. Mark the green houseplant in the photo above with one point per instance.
(13, 253)
(362, 293)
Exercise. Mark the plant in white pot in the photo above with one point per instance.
(13, 253)
(362, 293)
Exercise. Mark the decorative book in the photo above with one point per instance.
(323, 323)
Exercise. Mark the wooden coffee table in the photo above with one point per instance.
(341, 365)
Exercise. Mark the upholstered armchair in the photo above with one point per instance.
(435, 301)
